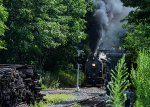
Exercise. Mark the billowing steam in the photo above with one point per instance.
(108, 15)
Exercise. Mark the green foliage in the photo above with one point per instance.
(138, 26)
(53, 98)
(50, 80)
(57, 98)
(43, 86)
(76, 105)
(141, 12)
(39, 104)
(137, 3)
(68, 76)
(65, 77)
(141, 77)
(37, 27)
(90, 6)
(118, 84)
(3, 20)
(137, 37)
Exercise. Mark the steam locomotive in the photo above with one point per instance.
(98, 67)
(97, 70)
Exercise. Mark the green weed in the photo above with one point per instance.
(57, 98)
(76, 105)
(39, 104)
(49, 80)
(118, 84)
(53, 98)
(64, 77)
(141, 79)
(68, 76)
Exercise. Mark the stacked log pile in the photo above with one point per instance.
(18, 84)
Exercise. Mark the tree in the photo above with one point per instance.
(37, 27)
(138, 26)
(141, 12)
(137, 38)
(142, 4)
(3, 19)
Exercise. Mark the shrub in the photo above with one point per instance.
(68, 76)
(65, 77)
(118, 84)
(49, 80)
(141, 79)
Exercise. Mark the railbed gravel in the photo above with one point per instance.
(84, 93)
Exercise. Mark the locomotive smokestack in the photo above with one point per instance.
(108, 14)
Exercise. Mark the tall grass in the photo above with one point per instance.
(69, 78)
(65, 77)
(141, 79)
(57, 98)
(53, 98)
(118, 84)
(50, 80)
(68, 74)
(39, 104)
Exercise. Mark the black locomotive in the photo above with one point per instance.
(97, 71)
(98, 67)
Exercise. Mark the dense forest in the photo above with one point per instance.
(42, 31)
(47, 33)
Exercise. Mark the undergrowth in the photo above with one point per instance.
(76, 105)
(39, 104)
(65, 77)
(118, 84)
(57, 98)
(49, 80)
(141, 79)
(53, 98)
(69, 79)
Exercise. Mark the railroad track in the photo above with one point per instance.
(96, 101)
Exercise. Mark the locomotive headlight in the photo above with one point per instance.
(93, 65)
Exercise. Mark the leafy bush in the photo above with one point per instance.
(118, 84)
(49, 80)
(68, 76)
(65, 77)
(136, 38)
(141, 79)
